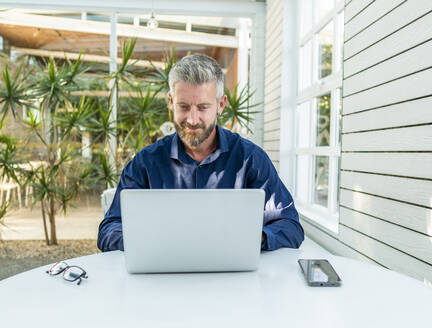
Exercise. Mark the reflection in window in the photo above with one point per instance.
(303, 135)
(323, 120)
(321, 180)
(325, 51)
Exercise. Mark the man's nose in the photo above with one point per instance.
(193, 117)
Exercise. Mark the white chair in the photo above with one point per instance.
(7, 187)
(106, 199)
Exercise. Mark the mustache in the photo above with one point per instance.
(196, 126)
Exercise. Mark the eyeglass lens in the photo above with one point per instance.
(73, 273)
(57, 268)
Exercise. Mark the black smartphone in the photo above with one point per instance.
(319, 273)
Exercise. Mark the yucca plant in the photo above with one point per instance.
(7, 161)
(238, 109)
(62, 171)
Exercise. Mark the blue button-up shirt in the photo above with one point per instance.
(236, 163)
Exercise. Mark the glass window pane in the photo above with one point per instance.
(302, 184)
(323, 7)
(321, 167)
(325, 51)
(305, 17)
(303, 125)
(323, 120)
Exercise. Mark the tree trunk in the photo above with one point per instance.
(44, 223)
(52, 223)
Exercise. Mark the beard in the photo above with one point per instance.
(194, 138)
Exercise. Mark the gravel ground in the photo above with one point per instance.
(17, 256)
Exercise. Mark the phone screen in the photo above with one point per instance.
(319, 273)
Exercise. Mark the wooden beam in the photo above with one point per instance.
(84, 57)
(222, 22)
(103, 93)
(123, 30)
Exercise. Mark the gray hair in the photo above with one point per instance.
(197, 69)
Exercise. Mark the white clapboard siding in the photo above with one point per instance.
(272, 68)
(332, 244)
(272, 91)
(410, 87)
(272, 99)
(402, 15)
(355, 7)
(271, 145)
(271, 125)
(271, 106)
(274, 155)
(273, 71)
(272, 135)
(274, 26)
(411, 216)
(275, 83)
(385, 255)
(417, 165)
(414, 60)
(413, 191)
(418, 138)
(403, 114)
(273, 55)
(273, 94)
(371, 14)
(405, 240)
(273, 33)
(273, 114)
(415, 33)
(273, 7)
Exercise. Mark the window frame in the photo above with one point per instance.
(328, 217)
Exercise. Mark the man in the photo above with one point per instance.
(203, 155)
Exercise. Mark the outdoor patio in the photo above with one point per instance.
(22, 245)
(341, 91)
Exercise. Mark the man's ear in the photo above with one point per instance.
(221, 105)
(171, 101)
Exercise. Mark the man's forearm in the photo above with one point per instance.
(110, 236)
(283, 233)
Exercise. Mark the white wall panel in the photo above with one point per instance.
(403, 114)
(405, 240)
(413, 191)
(407, 88)
(414, 60)
(414, 217)
(385, 255)
(417, 138)
(369, 52)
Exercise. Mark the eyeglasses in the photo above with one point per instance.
(71, 273)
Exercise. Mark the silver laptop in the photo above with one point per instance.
(192, 230)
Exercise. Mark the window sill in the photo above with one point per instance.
(319, 216)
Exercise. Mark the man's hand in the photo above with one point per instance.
(263, 238)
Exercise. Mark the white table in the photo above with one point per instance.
(274, 296)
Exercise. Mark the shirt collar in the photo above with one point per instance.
(178, 152)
